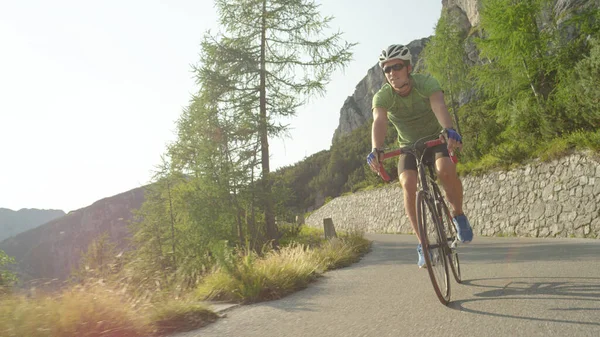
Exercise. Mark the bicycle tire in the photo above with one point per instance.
(432, 243)
(452, 239)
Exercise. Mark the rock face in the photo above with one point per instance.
(52, 251)
(15, 222)
(357, 108)
(560, 198)
(469, 7)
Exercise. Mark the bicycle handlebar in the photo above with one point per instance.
(383, 174)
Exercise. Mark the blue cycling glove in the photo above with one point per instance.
(452, 134)
(373, 157)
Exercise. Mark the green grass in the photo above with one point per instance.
(342, 252)
(578, 140)
(249, 278)
(486, 164)
(253, 278)
(511, 154)
(304, 235)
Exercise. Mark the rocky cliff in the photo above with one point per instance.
(52, 251)
(15, 222)
(469, 7)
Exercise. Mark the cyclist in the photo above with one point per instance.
(414, 103)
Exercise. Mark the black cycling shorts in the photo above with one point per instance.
(408, 161)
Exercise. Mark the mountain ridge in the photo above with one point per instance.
(15, 222)
(52, 250)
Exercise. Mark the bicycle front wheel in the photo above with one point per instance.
(452, 239)
(433, 242)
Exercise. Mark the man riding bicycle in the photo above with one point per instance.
(414, 103)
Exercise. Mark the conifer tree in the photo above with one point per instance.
(445, 58)
(269, 58)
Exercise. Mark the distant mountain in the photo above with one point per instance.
(15, 222)
(53, 250)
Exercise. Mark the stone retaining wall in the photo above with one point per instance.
(541, 199)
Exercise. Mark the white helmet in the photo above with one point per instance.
(394, 52)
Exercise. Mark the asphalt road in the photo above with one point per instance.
(511, 287)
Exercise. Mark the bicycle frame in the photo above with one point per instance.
(430, 192)
(426, 181)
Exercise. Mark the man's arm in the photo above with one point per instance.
(443, 116)
(378, 132)
(379, 128)
(440, 110)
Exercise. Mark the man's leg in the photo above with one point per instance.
(446, 171)
(407, 173)
(408, 180)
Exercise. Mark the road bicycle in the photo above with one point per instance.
(438, 238)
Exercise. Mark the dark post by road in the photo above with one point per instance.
(329, 228)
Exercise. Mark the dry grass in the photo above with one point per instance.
(98, 309)
(253, 279)
(249, 278)
(86, 312)
(94, 311)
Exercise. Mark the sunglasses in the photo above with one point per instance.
(397, 67)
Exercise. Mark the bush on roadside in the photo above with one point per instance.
(247, 278)
(342, 252)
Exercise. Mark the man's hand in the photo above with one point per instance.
(453, 139)
(374, 159)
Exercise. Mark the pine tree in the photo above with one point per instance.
(518, 68)
(99, 259)
(445, 58)
(271, 56)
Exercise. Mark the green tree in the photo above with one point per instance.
(270, 57)
(153, 257)
(518, 69)
(99, 261)
(575, 100)
(7, 278)
(578, 93)
(219, 148)
(194, 199)
(445, 58)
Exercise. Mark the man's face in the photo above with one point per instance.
(397, 75)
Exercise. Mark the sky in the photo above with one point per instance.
(90, 91)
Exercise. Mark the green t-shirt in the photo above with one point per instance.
(411, 115)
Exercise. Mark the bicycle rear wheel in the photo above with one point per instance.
(433, 243)
(452, 239)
